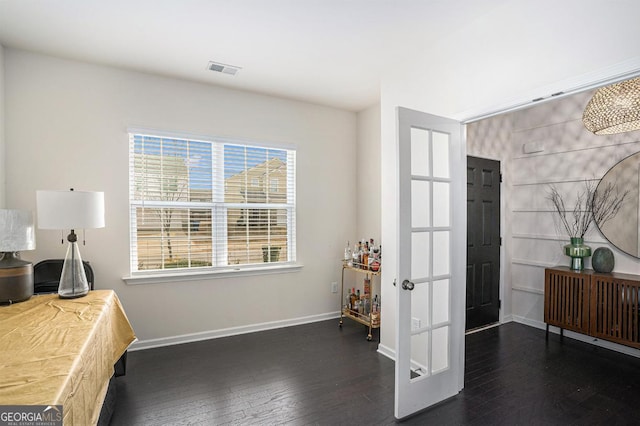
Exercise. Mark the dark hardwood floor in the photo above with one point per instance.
(320, 374)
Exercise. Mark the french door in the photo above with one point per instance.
(430, 289)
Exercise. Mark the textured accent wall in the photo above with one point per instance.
(541, 146)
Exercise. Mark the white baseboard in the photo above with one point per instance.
(580, 337)
(382, 349)
(531, 323)
(387, 351)
(232, 331)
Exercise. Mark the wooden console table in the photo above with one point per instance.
(602, 305)
(62, 352)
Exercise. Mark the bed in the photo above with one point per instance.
(62, 352)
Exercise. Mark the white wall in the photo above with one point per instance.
(66, 127)
(368, 174)
(570, 155)
(2, 132)
(367, 204)
(388, 219)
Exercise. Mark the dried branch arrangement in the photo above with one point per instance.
(591, 205)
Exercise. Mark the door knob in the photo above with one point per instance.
(407, 285)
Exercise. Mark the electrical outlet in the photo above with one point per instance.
(415, 323)
(334, 287)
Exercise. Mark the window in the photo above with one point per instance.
(195, 204)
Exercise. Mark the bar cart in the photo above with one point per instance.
(371, 319)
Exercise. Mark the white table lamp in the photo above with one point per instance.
(71, 210)
(16, 275)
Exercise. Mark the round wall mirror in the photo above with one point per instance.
(622, 230)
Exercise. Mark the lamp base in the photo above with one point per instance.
(71, 296)
(16, 279)
(73, 281)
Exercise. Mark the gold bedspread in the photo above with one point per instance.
(62, 351)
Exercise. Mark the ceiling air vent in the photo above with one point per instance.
(223, 68)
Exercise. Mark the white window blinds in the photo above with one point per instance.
(209, 204)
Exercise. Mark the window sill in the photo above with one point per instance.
(165, 277)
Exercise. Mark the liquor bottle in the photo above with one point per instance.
(347, 253)
(373, 250)
(352, 296)
(365, 255)
(367, 286)
(354, 256)
(375, 311)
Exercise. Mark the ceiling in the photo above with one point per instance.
(336, 52)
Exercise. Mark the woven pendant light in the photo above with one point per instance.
(614, 108)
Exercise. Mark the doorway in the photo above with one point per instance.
(483, 242)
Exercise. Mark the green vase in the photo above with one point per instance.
(577, 251)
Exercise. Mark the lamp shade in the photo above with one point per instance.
(70, 209)
(614, 108)
(16, 230)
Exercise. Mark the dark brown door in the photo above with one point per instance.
(483, 242)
